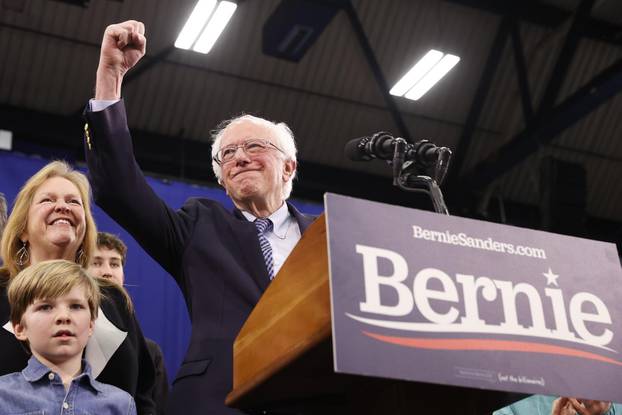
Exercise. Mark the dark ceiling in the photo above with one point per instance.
(530, 112)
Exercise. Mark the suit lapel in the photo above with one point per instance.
(303, 220)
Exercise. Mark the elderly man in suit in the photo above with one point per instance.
(223, 261)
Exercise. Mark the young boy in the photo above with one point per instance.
(53, 308)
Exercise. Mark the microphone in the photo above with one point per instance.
(382, 146)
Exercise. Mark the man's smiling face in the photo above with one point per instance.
(254, 177)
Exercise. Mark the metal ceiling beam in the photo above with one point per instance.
(564, 59)
(143, 66)
(530, 136)
(376, 70)
(533, 11)
(257, 81)
(60, 137)
(81, 3)
(470, 125)
(545, 128)
(521, 73)
(147, 64)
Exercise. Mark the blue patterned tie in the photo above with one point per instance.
(265, 225)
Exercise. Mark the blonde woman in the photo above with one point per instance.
(52, 219)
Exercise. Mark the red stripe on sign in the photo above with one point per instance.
(489, 344)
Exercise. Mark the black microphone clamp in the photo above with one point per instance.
(382, 146)
(370, 147)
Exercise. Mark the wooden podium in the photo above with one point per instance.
(282, 357)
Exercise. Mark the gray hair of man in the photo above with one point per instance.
(282, 135)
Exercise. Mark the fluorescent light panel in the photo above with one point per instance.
(215, 26)
(205, 24)
(417, 72)
(424, 74)
(432, 77)
(195, 23)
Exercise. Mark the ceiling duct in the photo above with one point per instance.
(81, 3)
(14, 5)
(295, 25)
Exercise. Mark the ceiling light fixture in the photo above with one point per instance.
(205, 24)
(215, 26)
(424, 74)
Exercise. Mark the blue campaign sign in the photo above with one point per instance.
(426, 297)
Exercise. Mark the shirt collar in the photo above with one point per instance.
(35, 370)
(280, 219)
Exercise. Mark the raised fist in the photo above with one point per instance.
(122, 47)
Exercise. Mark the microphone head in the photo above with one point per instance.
(426, 153)
(355, 150)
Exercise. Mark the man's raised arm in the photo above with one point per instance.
(122, 47)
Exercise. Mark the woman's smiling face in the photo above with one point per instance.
(55, 217)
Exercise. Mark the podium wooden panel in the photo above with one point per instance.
(283, 353)
(292, 318)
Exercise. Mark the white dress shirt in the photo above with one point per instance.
(284, 235)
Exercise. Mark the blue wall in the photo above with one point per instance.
(159, 305)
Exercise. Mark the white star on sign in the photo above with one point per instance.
(551, 279)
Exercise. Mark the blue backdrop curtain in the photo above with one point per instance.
(159, 305)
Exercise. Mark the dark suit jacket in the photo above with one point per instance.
(160, 386)
(213, 254)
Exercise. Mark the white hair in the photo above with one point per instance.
(284, 141)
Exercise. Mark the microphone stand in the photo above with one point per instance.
(409, 176)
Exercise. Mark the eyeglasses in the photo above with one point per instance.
(250, 147)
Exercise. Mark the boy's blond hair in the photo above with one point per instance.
(49, 280)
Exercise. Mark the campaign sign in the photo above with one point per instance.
(434, 298)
